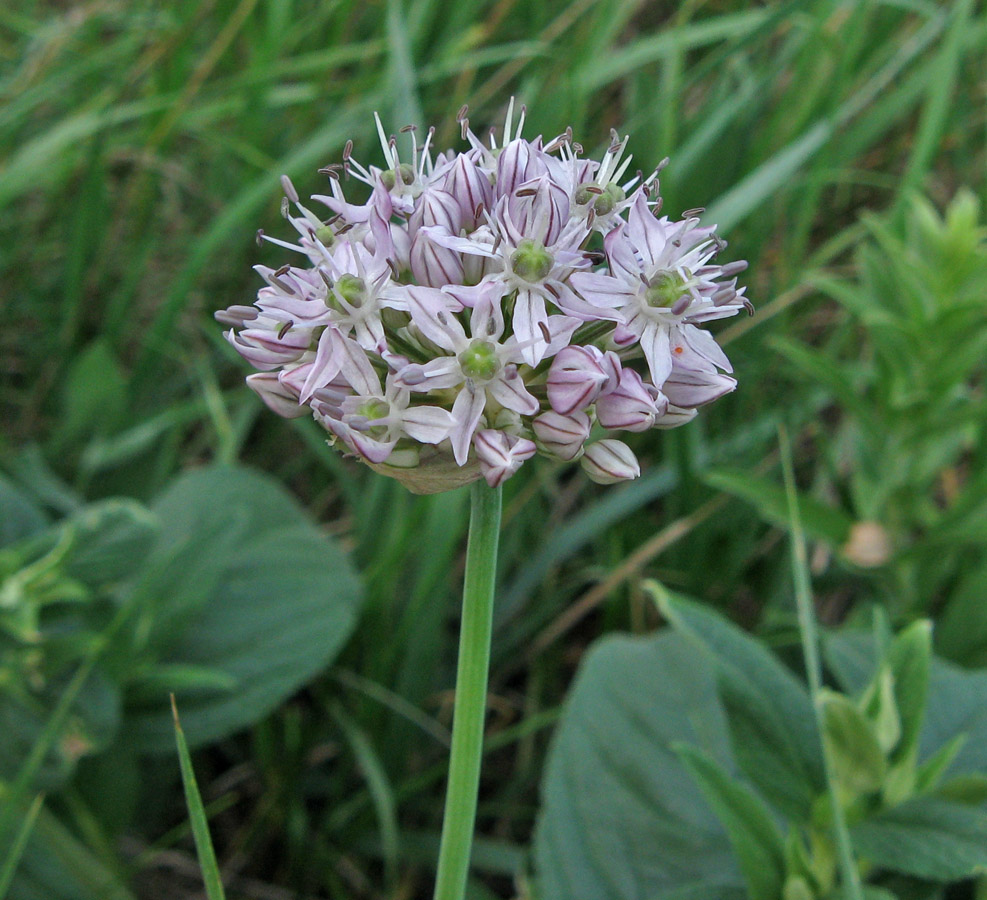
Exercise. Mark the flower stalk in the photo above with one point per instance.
(471, 692)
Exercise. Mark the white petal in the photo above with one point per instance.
(355, 366)
(703, 344)
(375, 451)
(512, 394)
(466, 412)
(428, 424)
(529, 318)
(432, 311)
(655, 344)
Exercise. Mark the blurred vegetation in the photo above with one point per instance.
(140, 150)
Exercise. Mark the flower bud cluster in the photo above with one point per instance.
(462, 319)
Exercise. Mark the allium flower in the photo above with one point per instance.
(459, 320)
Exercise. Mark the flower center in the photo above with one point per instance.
(531, 262)
(374, 409)
(405, 173)
(479, 361)
(664, 289)
(352, 289)
(602, 199)
(325, 235)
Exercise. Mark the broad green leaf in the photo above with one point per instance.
(881, 709)
(742, 659)
(110, 541)
(968, 790)
(926, 838)
(21, 516)
(910, 658)
(753, 834)
(764, 749)
(245, 586)
(929, 774)
(621, 817)
(852, 747)
(961, 629)
(95, 393)
(820, 521)
(957, 702)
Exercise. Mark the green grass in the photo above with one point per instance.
(140, 150)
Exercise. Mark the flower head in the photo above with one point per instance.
(459, 321)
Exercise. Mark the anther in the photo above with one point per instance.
(289, 189)
(681, 305)
(260, 237)
(284, 270)
(734, 268)
(748, 306)
(545, 333)
(463, 110)
(554, 291)
(442, 317)
(285, 329)
(526, 192)
(348, 150)
(408, 128)
(285, 207)
(692, 213)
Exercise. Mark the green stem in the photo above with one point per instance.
(471, 693)
(852, 889)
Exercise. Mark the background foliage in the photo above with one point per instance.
(140, 149)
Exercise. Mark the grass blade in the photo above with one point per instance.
(197, 816)
(18, 846)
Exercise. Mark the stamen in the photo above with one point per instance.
(285, 207)
(284, 270)
(289, 189)
(693, 213)
(734, 268)
(681, 305)
(285, 329)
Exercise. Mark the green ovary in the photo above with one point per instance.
(479, 361)
(603, 199)
(531, 261)
(375, 409)
(664, 289)
(352, 289)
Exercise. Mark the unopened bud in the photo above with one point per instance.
(609, 461)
